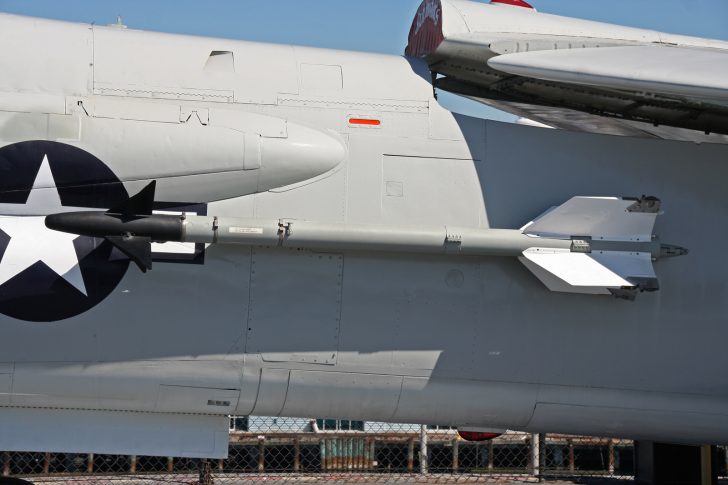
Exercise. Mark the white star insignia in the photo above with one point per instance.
(31, 241)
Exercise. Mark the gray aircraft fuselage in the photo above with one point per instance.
(90, 115)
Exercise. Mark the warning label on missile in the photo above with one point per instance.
(245, 230)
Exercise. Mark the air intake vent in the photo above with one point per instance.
(221, 61)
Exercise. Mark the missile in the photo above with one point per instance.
(130, 227)
(592, 245)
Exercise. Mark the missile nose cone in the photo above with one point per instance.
(56, 222)
(73, 222)
(304, 154)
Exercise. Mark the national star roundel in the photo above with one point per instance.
(46, 275)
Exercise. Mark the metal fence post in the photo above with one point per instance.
(612, 457)
(170, 464)
(132, 464)
(363, 444)
(534, 454)
(541, 456)
(491, 455)
(296, 455)
(572, 457)
(373, 453)
(46, 463)
(411, 455)
(350, 452)
(205, 473)
(423, 449)
(6, 464)
(455, 455)
(90, 463)
(261, 454)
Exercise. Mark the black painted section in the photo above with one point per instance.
(4, 241)
(139, 204)
(102, 224)
(13, 481)
(38, 294)
(669, 464)
(19, 164)
(82, 179)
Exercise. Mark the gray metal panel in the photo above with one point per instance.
(47, 57)
(163, 318)
(128, 109)
(419, 190)
(321, 78)
(6, 383)
(249, 386)
(357, 396)
(78, 431)
(295, 286)
(417, 298)
(359, 85)
(130, 386)
(128, 63)
(691, 427)
(478, 403)
(272, 391)
(324, 196)
(198, 149)
(23, 126)
(585, 329)
(186, 399)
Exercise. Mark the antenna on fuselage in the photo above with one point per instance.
(119, 23)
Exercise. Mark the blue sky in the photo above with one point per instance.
(369, 25)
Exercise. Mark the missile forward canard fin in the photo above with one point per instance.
(140, 204)
(612, 246)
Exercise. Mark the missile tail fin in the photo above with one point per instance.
(601, 218)
(619, 273)
(610, 252)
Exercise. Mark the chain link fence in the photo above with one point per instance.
(281, 449)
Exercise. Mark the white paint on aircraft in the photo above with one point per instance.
(31, 241)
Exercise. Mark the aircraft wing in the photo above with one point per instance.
(685, 72)
(576, 74)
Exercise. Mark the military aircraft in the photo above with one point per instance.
(197, 227)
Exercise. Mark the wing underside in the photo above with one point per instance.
(628, 83)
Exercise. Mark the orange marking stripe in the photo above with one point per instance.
(364, 121)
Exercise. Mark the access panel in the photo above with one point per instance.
(295, 306)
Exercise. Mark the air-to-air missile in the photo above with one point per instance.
(593, 245)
